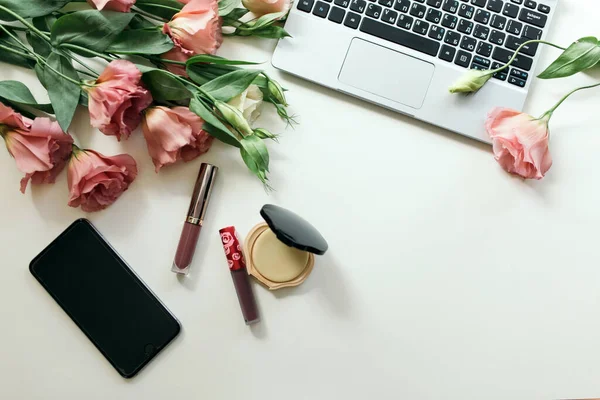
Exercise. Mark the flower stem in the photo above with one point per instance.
(17, 52)
(519, 49)
(27, 24)
(75, 47)
(551, 111)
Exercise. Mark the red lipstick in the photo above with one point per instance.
(195, 218)
(239, 274)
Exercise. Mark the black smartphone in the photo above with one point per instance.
(105, 298)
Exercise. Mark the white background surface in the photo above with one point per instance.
(445, 278)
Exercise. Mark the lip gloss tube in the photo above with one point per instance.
(195, 217)
(239, 275)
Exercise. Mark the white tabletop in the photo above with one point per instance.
(445, 278)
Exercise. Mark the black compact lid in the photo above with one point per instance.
(293, 230)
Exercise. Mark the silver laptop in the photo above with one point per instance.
(404, 54)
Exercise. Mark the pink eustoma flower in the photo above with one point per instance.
(520, 142)
(96, 181)
(112, 5)
(40, 148)
(117, 99)
(174, 134)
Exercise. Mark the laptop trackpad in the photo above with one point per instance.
(386, 73)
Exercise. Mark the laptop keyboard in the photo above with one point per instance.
(477, 34)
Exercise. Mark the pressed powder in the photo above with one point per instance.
(281, 252)
(277, 261)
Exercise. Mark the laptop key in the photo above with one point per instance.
(517, 1)
(305, 5)
(401, 37)
(520, 61)
(402, 5)
(434, 16)
(510, 10)
(497, 37)
(463, 59)
(482, 16)
(544, 8)
(434, 3)
(447, 53)
(342, 3)
(533, 18)
(513, 43)
(519, 74)
(484, 49)
(352, 20)
(449, 21)
(532, 33)
(450, 6)
(498, 22)
(468, 43)
(389, 16)
(386, 3)
(466, 11)
(481, 32)
(495, 5)
(516, 81)
(465, 26)
(373, 10)
(514, 27)
(321, 9)
(418, 10)
(479, 3)
(499, 75)
(336, 15)
(530, 4)
(436, 32)
(452, 38)
(484, 62)
(474, 65)
(421, 27)
(358, 5)
(405, 21)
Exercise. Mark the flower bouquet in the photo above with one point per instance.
(160, 71)
(521, 141)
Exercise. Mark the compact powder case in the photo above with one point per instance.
(281, 252)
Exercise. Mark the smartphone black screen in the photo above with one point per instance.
(103, 296)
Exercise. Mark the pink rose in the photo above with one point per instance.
(117, 99)
(173, 134)
(196, 29)
(520, 142)
(96, 181)
(40, 148)
(113, 5)
(262, 7)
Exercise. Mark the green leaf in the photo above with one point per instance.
(39, 71)
(30, 8)
(92, 29)
(228, 86)
(212, 124)
(168, 9)
(581, 55)
(165, 87)
(139, 22)
(39, 45)
(235, 15)
(227, 6)
(265, 20)
(16, 92)
(63, 94)
(256, 156)
(12, 58)
(202, 73)
(210, 59)
(45, 22)
(140, 41)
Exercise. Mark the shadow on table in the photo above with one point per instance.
(326, 281)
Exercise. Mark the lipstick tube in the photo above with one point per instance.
(195, 217)
(239, 275)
